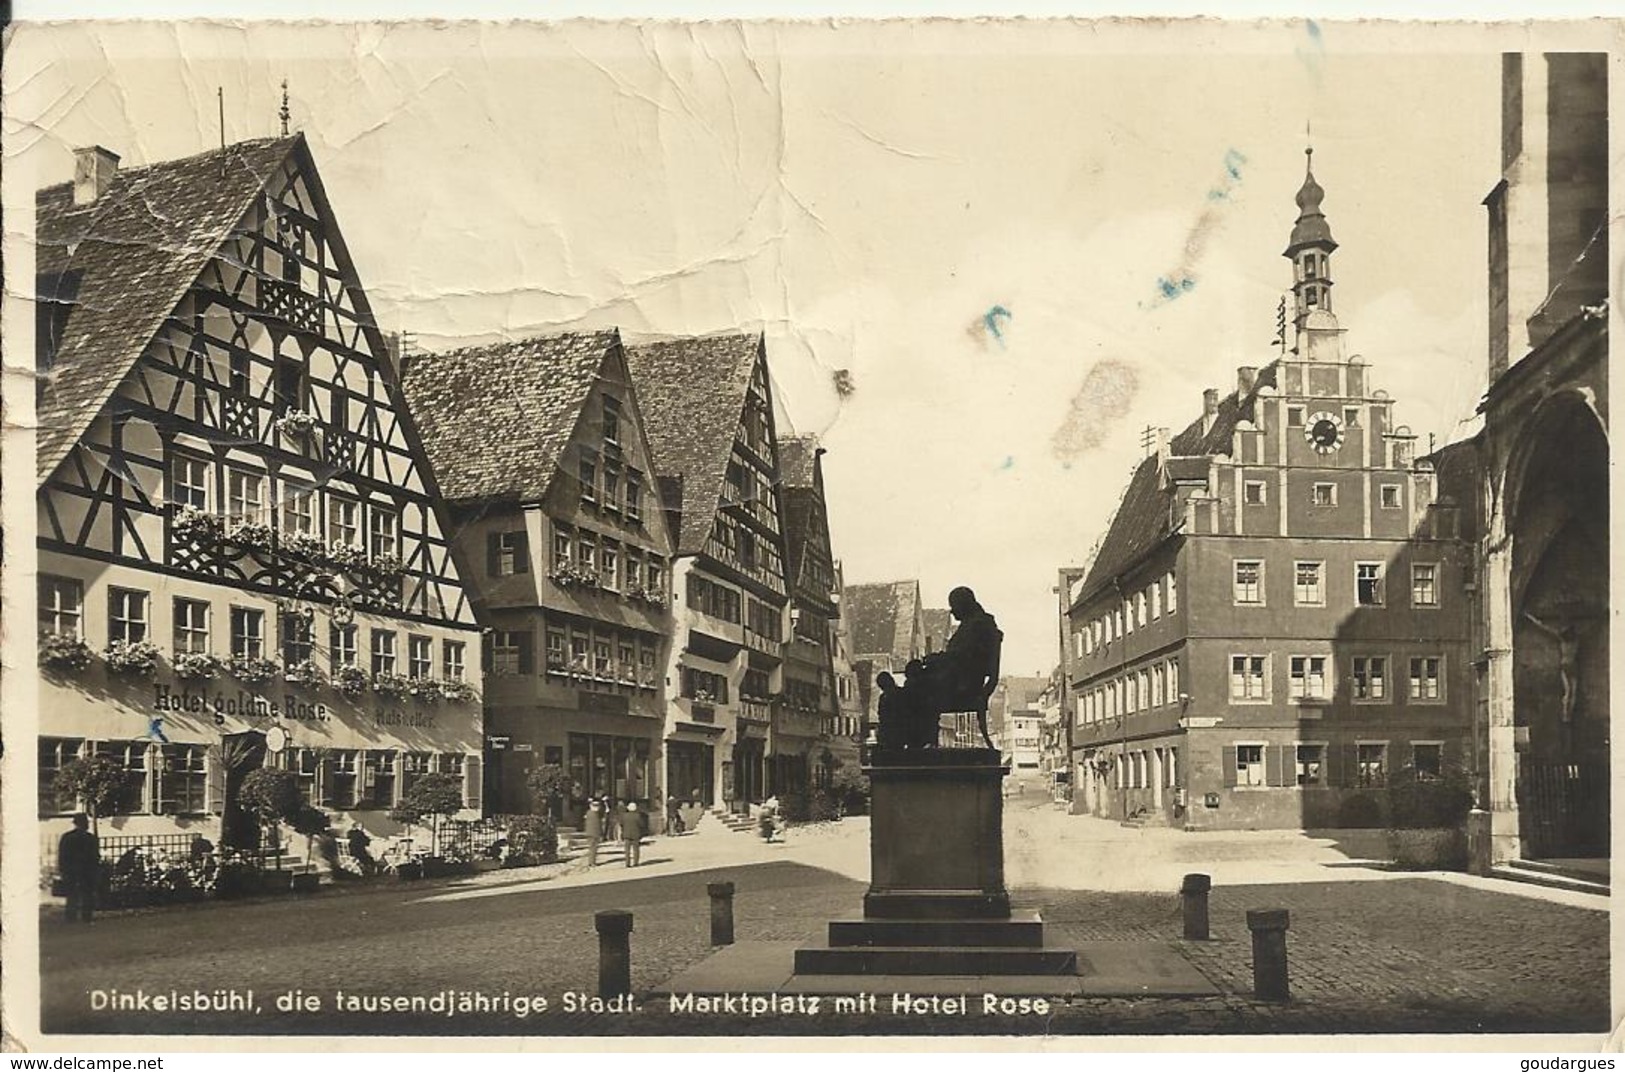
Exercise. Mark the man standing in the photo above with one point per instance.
(593, 827)
(632, 833)
(78, 858)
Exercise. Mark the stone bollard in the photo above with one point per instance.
(614, 953)
(1193, 896)
(722, 912)
(1269, 953)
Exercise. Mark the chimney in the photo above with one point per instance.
(93, 171)
(1210, 408)
(1246, 377)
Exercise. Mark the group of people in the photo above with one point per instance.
(603, 823)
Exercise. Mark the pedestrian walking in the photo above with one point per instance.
(78, 859)
(593, 827)
(632, 833)
(358, 842)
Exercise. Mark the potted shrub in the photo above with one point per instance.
(1427, 819)
(532, 840)
(62, 651)
(253, 670)
(272, 797)
(95, 780)
(431, 800)
(127, 658)
(546, 783)
(196, 665)
(350, 680)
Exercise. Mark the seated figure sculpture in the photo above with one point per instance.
(961, 677)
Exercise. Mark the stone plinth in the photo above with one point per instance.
(936, 841)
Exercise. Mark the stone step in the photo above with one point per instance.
(1023, 930)
(935, 960)
(1518, 871)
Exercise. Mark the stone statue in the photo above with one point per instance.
(964, 674)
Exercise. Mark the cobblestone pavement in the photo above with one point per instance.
(1404, 954)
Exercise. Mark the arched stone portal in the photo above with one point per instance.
(1558, 514)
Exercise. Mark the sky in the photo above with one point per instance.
(1023, 243)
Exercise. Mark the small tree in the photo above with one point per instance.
(851, 787)
(434, 797)
(272, 797)
(545, 783)
(96, 780)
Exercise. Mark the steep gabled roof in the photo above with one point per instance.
(798, 461)
(881, 617)
(1143, 518)
(798, 467)
(134, 253)
(496, 419)
(1021, 692)
(693, 396)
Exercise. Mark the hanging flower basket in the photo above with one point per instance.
(303, 672)
(59, 651)
(392, 686)
(131, 658)
(197, 527)
(253, 670)
(295, 425)
(350, 680)
(197, 665)
(457, 691)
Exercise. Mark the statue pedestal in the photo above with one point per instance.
(936, 903)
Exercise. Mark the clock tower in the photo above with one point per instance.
(1310, 251)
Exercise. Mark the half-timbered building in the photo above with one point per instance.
(540, 451)
(709, 412)
(240, 558)
(807, 719)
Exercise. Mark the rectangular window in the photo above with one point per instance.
(383, 651)
(1370, 677)
(1427, 760)
(1294, 416)
(1424, 585)
(1173, 681)
(1390, 497)
(189, 482)
(1325, 495)
(612, 420)
(305, 764)
(509, 553)
(1249, 764)
(414, 765)
(54, 752)
(626, 662)
(579, 645)
(563, 544)
(182, 779)
(126, 615)
(342, 645)
(1139, 608)
(587, 554)
(1156, 601)
(419, 656)
(634, 495)
(343, 521)
(1252, 492)
(505, 651)
(1311, 763)
(1173, 594)
(1368, 584)
(247, 633)
(609, 565)
(385, 532)
(557, 661)
(245, 496)
(298, 642)
(378, 779)
(612, 486)
(1248, 679)
(298, 511)
(1307, 590)
(61, 606)
(1371, 768)
(1425, 684)
(131, 796)
(1308, 680)
(589, 480)
(601, 659)
(191, 626)
(1249, 582)
(453, 653)
(1351, 416)
(340, 791)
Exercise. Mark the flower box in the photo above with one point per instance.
(457, 691)
(392, 686)
(351, 680)
(131, 658)
(194, 526)
(253, 670)
(295, 425)
(427, 689)
(303, 672)
(60, 651)
(197, 665)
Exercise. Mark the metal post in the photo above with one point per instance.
(722, 912)
(614, 953)
(1193, 897)
(1269, 927)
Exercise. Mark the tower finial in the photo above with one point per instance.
(283, 113)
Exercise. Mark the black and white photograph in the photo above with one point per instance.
(757, 529)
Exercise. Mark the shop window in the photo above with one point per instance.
(340, 790)
(378, 779)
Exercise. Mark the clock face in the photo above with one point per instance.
(1324, 432)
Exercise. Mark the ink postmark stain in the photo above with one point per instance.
(1097, 407)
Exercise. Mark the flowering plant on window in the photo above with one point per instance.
(427, 689)
(132, 658)
(457, 690)
(703, 696)
(62, 651)
(195, 526)
(578, 666)
(557, 664)
(303, 672)
(346, 556)
(295, 424)
(652, 596)
(303, 547)
(350, 679)
(570, 575)
(197, 665)
(386, 567)
(253, 670)
(252, 535)
(392, 686)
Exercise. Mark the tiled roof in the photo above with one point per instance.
(798, 458)
(692, 394)
(880, 617)
(1020, 692)
(495, 420)
(798, 463)
(939, 626)
(136, 250)
(1143, 519)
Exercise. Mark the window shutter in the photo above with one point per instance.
(216, 782)
(527, 654)
(324, 781)
(1335, 775)
(1227, 759)
(1351, 764)
(473, 782)
(521, 553)
(492, 540)
(1276, 765)
(486, 640)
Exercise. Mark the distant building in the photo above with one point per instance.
(541, 455)
(1275, 622)
(846, 737)
(1542, 464)
(887, 627)
(242, 562)
(1016, 722)
(708, 408)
